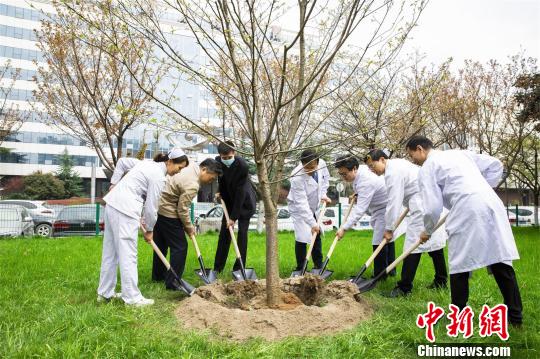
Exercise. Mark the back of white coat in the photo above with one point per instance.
(140, 187)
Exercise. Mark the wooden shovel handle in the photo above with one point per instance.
(195, 244)
(314, 235)
(231, 229)
(384, 241)
(410, 250)
(157, 251)
(336, 239)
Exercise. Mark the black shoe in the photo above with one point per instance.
(436, 285)
(397, 292)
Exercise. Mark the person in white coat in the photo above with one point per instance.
(123, 165)
(401, 178)
(371, 197)
(479, 233)
(309, 184)
(138, 192)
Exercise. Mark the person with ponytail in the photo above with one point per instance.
(137, 192)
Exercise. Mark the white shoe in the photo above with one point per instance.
(143, 302)
(102, 299)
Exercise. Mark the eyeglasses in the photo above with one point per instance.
(343, 174)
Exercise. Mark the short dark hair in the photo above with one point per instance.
(375, 155)
(309, 156)
(224, 148)
(348, 161)
(416, 141)
(212, 165)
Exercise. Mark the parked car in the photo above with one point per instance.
(524, 217)
(363, 223)
(42, 215)
(15, 221)
(211, 221)
(77, 221)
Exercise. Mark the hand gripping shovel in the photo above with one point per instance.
(243, 273)
(208, 275)
(370, 284)
(298, 273)
(322, 271)
(180, 284)
(358, 279)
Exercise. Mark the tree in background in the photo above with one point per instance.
(86, 91)
(43, 186)
(528, 98)
(526, 169)
(10, 116)
(70, 178)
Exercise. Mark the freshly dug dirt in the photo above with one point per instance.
(309, 307)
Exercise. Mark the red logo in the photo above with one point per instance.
(460, 322)
(429, 320)
(494, 321)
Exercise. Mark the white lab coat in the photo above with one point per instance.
(141, 187)
(371, 198)
(479, 233)
(123, 165)
(401, 178)
(304, 199)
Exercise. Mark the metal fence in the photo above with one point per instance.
(25, 218)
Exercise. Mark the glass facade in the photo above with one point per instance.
(45, 138)
(23, 74)
(21, 54)
(45, 159)
(22, 13)
(17, 33)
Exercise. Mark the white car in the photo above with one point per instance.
(524, 217)
(363, 224)
(211, 221)
(15, 221)
(42, 216)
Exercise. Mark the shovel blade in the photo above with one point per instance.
(325, 275)
(185, 287)
(296, 273)
(250, 275)
(209, 276)
(367, 285)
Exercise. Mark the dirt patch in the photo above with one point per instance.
(308, 307)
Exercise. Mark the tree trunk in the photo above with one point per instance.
(536, 203)
(272, 258)
(260, 221)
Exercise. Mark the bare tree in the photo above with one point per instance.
(386, 108)
(85, 89)
(526, 169)
(269, 81)
(11, 118)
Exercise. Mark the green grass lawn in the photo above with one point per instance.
(48, 305)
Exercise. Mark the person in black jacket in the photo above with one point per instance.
(239, 196)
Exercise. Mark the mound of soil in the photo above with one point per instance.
(308, 307)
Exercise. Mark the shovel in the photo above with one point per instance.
(208, 275)
(298, 273)
(180, 284)
(325, 274)
(370, 284)
(243, 273)
(358, 279)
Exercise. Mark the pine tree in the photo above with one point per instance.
(71, 179)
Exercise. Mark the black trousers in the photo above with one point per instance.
(169, 233)
(224, 243)
(300, 250)
(410, 265)
(386, 256)
(507, 282)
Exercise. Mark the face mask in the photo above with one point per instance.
(228, 163)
